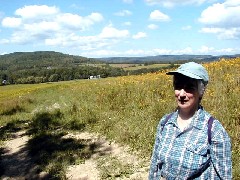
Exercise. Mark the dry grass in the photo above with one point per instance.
(126, 109)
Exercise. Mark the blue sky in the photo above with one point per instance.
(108, 28)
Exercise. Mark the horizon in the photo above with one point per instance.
(121, 28)
(125, 56)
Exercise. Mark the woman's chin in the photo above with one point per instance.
(183, 105)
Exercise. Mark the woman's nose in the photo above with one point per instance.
(182, 92)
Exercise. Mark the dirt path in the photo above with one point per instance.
(109, 161)
(15, 161)
(107, 153)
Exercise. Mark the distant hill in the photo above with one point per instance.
(39, 59)
(166, 58)
(50, 66)
(57, 59)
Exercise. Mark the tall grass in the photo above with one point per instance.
(127, 109)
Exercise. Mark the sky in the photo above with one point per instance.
(121, 28)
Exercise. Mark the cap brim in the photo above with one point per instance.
(171, 72)
(185, 73)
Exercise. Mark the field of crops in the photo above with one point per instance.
(125, 109)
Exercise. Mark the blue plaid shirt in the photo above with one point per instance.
(178, 153)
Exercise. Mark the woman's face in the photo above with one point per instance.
(186, 92)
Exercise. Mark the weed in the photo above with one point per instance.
(112, 168)
(125, 109)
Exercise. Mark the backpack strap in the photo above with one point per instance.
(210, 122)
(204, 166)
(166, 120)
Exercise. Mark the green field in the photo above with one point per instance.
(131, 67)
(124, 109)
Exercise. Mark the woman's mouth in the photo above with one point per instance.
(182, 101)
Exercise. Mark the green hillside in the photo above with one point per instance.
(40, 59)
(49, 66)
(125, 110)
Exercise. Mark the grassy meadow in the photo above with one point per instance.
(132, 67)
(124, 109)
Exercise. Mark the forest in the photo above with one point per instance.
(49, 66)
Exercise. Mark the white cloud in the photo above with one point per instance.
(72, 40)
(86, 43)
(72, 20)
(222, 15)
(41, 27)
(39, 24)
(111, 32)
(68, 20)
(157, 15)
(152, 26)
(123, 13)
(60, 30)
(106, 39)
(232, 2)
(35, 11)
(21, 38)
(205, 49)
(11, 22)
(158, 51)
(95, 17)
(136, 52)
(111, 53)
(101, 53)
(171, 3)
(140, 52)
(212, 50)
(4, 41)
(187, 50)
(202, 50)
(45, 25)
(227, 51)
(3, 53)
(223, 19)
(223, 33)
(139, 35)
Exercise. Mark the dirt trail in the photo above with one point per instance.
(15, 161)
(19, 166)
(89, 170)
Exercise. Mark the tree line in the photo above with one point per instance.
(37, 75)
(42, 67)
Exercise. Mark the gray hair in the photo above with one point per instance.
(201, 87)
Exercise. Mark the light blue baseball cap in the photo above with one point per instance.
(192, 70)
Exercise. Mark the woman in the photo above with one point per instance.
(189, 143)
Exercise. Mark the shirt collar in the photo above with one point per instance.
(173, 118)
(198, 120)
